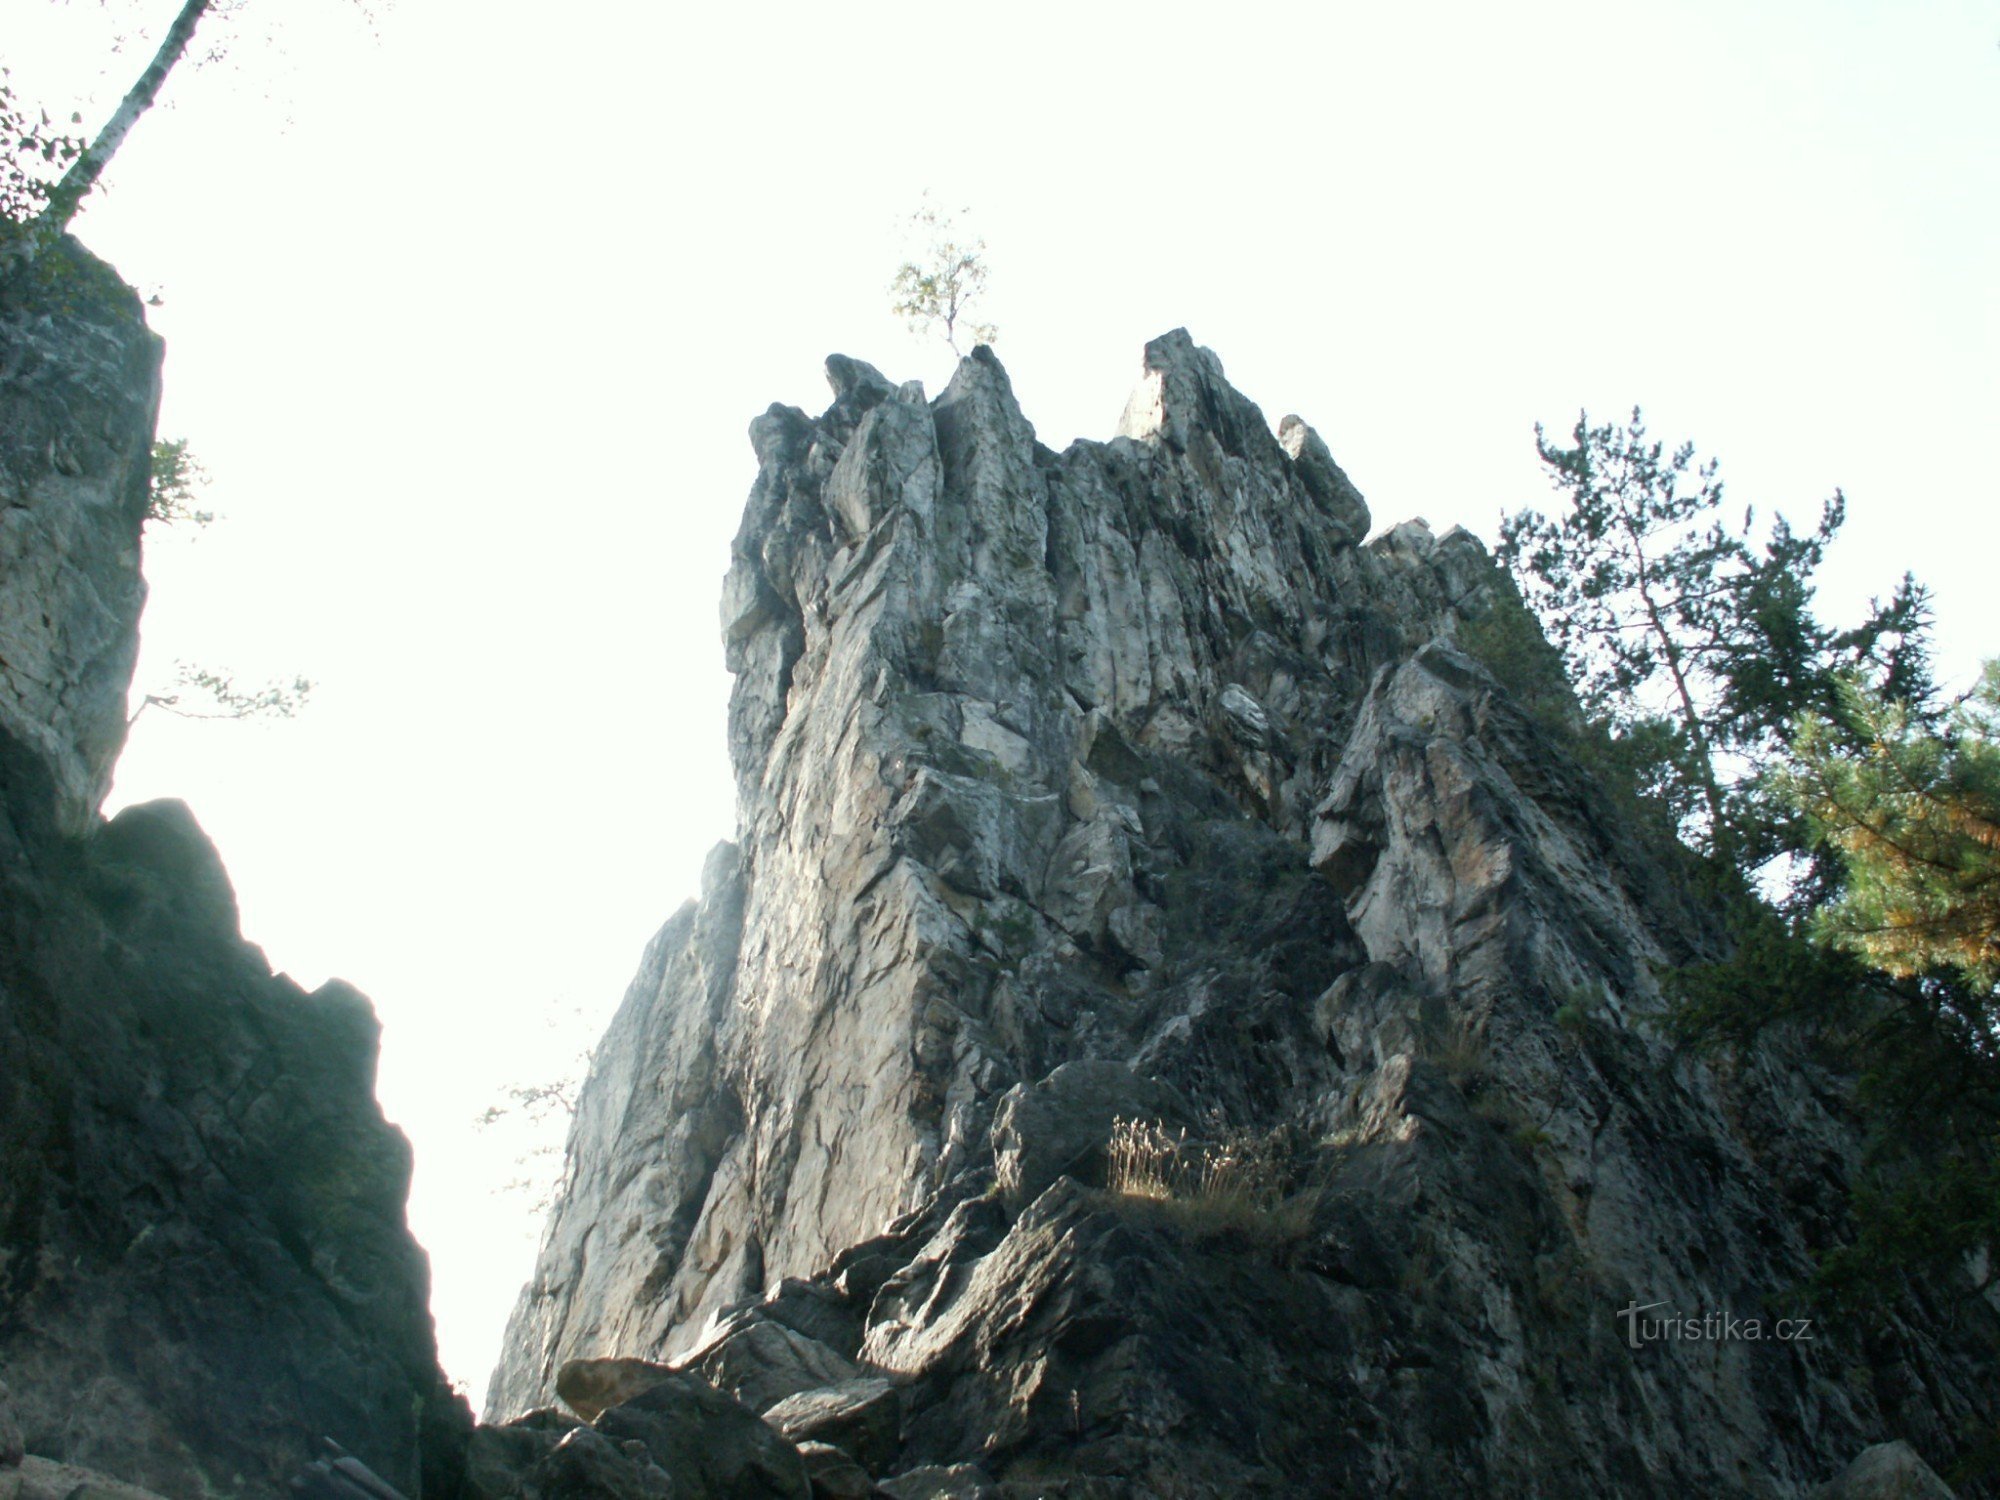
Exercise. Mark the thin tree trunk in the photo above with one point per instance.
(1723, 840)
(68, 195)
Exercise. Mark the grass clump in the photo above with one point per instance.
(1240, 1180)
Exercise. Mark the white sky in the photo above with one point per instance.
(467, 319)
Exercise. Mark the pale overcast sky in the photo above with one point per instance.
(467, 317)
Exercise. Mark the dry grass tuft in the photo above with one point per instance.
(1240, 1180)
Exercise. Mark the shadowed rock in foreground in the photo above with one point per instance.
(204, 1266)
(1131, 783)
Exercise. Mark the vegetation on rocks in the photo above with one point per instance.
(1238, 1180)
(1844, 810)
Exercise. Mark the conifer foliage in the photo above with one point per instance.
(1776, 742)
(1914, 812)
(1694, 636)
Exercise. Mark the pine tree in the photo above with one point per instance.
(1914, 812)
(1689, 637)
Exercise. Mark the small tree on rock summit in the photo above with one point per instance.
(936, 291)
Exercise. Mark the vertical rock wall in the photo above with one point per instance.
(1130, 782)
(79, 392)
(204, 1264)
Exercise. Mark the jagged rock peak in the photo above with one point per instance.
(1129, 783)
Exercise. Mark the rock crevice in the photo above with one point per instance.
(1131, 782)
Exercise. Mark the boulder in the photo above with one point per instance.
(863, 1417)
(548, 1463)
(590, 1386)
(712, 1446)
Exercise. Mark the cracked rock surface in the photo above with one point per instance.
(1132, 783)
(79, 393)
(204, 1264)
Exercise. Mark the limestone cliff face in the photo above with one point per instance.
(204, 1265)
(1130, 782)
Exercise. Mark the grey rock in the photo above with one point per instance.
(338, 1475)
(1886, 1471)
(834, 1475)
(712, 1446)
(1060, 1125)
(498, 1457)
(1324, 479)
(590, 1386)
(205, 1266)
(11, 1446)
(760, 1362)
(547, 1463)
(818, 1311)
(862, 1417)
(940, 1482)
(79, 393)
(586, 1466)
(1129, 781)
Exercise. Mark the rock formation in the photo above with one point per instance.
(204, 1265)
(1131, 783)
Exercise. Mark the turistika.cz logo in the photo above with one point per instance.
(1709, 1327)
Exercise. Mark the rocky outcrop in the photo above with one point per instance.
(79, 392)
(204, 1265)
(1131, 783)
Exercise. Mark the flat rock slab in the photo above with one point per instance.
(763, 1362)
(863, 1417)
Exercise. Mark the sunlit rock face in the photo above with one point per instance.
(1131, 782)
(204, 1265)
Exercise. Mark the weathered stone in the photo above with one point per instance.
(760, 1362)
(11, 1447)
(940, 1482)
(1061, 1124)
(1130, 781)
(1324, 479)
(590, 1386)
(862, 1416)
(79, 393)
(711, 1445)
(206, 1266)
(818, 1311)
(550, 1463)
(497, 1457)
(1886, 1471)
(44, 1479)
(834, 1475)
